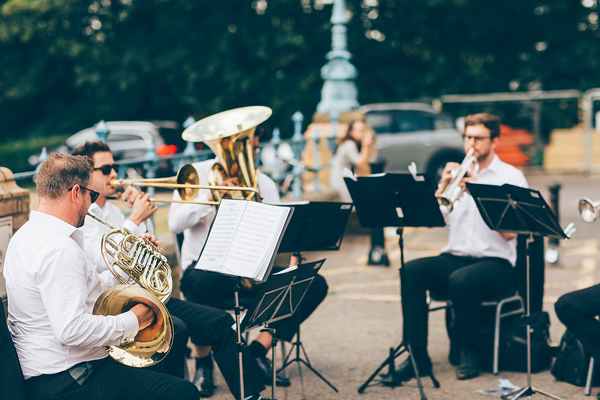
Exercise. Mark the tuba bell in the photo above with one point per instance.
(229, 135)
(142, 263)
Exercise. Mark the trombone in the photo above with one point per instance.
(589, 209)
(187, 184)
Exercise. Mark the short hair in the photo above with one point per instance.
(491, 122)
(60, 172)
(91, 148)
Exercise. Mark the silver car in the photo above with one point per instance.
(408, 132)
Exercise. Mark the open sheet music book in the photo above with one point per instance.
(244, 238)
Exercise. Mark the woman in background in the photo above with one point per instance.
(352, 153)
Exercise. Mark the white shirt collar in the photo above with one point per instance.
(52, 222)
(495, 165)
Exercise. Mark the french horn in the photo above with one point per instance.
(139, 262)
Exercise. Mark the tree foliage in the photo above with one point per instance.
(65, 64)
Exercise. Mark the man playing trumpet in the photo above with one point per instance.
(475, 265)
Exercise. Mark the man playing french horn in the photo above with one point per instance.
(52, 287)
(206, 326)
(476, 264)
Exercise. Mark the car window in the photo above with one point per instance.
(381, 122)
(122, 137)
(443, 122)
(411, 122)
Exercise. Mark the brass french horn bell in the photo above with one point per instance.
(229, 134)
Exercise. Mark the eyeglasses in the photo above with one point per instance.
(106, 168)
(475, 138)
(93, 194)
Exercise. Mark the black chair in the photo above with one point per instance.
(11, 376)
(511, 303)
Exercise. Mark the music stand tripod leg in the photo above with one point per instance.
(528, 390)
(239, 344)
(298, 345)
(406, 344)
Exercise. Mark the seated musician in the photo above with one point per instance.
(579, 310)
(476, 264)
(194, 220)
(206, 326)
(52, 287)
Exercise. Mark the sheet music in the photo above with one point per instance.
(243, 238)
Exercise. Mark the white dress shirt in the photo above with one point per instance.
(52, 288)
(94, 230)
(469, 235)
(194, 220)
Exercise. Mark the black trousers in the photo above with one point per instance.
(208, 326)
(578, 311)
(216, 290)
(173, 363)
(110, 380)
(466, 281)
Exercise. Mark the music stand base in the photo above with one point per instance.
(527, 392)
(298, 345)
(390, 380)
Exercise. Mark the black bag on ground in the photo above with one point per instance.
(572, 362)
(513, 344)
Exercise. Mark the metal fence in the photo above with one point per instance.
(281, 159)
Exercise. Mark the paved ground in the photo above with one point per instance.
(351, 332)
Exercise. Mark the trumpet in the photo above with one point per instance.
(145, 265)
(589, 209)
(186, 182)
(453, 191)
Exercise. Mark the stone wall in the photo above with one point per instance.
(14, 212)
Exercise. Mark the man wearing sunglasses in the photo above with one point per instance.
(53, 286)
(206, 326)
(476, 264)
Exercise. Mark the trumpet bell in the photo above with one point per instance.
(150, 345)
(588, 210)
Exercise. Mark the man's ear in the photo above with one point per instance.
(75, 194)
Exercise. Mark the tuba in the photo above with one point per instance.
(229, 135)
(453, 191)
(143, 264)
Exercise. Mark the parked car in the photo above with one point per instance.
(131, 139)
(414, 132)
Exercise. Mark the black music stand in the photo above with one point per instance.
(513, 209)
(396, 200)
(315, 226)
(278, 298)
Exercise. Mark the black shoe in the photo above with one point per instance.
(266, 370)
(469, 366)
(405, 372)
(204, 380)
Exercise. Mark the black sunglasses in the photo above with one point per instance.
(93, 194)
(106, 168)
